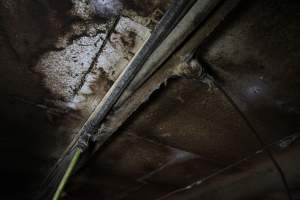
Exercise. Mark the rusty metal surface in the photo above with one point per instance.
(187, 137)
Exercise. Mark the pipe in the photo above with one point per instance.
(190, 22)
(173, 66)
(68, 173)
(171, 18)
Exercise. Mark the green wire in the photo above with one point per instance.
(67, 174)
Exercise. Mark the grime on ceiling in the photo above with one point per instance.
(236, 138)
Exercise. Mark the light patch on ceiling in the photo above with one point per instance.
(65, 69)
(128, 37)
(72, 74)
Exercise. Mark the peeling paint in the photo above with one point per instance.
(64, 69)
(78, 30)
(148, 21)
(125, 42)
(118, 51)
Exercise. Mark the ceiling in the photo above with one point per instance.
(235, 139)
